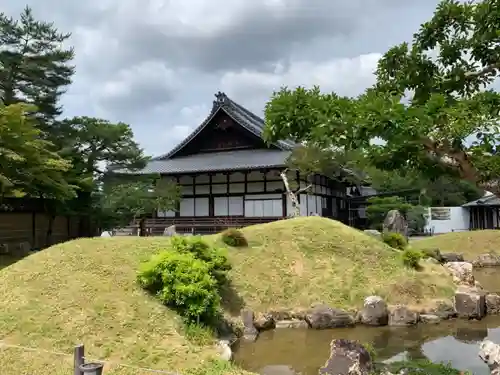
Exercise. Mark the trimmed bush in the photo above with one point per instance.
(234, 237)
(411, 257)
(182, 282)
(216, 258)
(395, 240)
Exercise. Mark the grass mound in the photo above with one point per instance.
(297, 262)
(85, 291)
(470, 244)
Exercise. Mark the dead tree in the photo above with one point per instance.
(293, 194)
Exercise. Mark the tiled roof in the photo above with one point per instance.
(489, 200)
(217, 161)
(250, 121)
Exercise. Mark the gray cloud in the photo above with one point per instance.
(156, 64)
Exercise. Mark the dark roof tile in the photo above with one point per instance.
(216, 161)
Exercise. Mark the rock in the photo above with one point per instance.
(395, 222)
(250, 333)
(374, 312)
(4, 249)
(277, 370)
(487, 260)
(106, 234)
(434, 254)
(492, 304)
(288, 315)
(264, 322)
(347, 358)
(429, 318)
(462, 272)
(489, 352)
(23, 248)
(444, 310)
(224, 350)
(170, 231)
(470, 304)
(402, 316)
(452, 257)
(373, 233)
(291, 324)
(324, 317)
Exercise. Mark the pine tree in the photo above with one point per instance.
(35, 65)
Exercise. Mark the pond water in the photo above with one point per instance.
(454, 341)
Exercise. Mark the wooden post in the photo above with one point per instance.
(79, 359)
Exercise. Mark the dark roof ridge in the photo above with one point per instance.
(249, 121)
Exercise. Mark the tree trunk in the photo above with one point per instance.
(292, 195)
(142, 227)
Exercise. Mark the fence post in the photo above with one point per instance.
(79, 359)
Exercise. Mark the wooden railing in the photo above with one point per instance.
(199, 225)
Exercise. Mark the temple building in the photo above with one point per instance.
(229, 176)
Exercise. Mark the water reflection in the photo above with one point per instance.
(454, 341)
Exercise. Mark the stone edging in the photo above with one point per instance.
(471, 301)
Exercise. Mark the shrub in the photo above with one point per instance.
(183, 283)
(216, 258)
(395, 240)
(234, 237)
(411, 257)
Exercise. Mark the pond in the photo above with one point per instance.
(306, 350)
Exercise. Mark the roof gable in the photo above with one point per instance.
(239, 114)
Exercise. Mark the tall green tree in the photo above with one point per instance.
(35, 65)
(124, 201)
(29, 164)
(441, 191)
(430, 108)
(94, 144)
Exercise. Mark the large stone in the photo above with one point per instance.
(487, 260)
(395, 222)
(250, 333)
(224, 349)
(264, 322)
(470, 304)
(373, 233)
(347, 358)
(374, 312)
(492, 304)
(291, 324)
(444, 310)
(462, 272)
(324, 317)
(170, 231)
(489, 352)
(452, 257)
(402, 316)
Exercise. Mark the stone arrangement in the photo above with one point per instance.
(471, 301)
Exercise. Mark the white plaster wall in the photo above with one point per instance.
(459, 221)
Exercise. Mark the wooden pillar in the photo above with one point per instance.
(211, 202)
(178, 204)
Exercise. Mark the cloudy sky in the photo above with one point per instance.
(156, 64)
